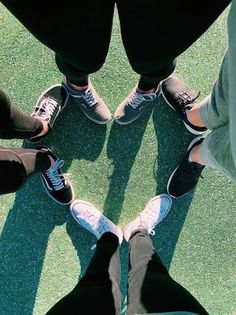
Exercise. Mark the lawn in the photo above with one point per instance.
(43, 250)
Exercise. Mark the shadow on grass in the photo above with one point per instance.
(34, 216)
(173, 140)
(123, 145)
(24, 241)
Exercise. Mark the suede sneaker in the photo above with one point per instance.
(186, 175)
(154, 212)
(49, 105)
(90, 103)
(133, 106)
(56, 184)
(91, 219)
(180, 98)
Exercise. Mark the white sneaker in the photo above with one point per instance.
(90, 218)
(154, 212)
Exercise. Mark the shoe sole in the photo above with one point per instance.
(171, 176)
(193, 131)
(42, 94)
(54, 199)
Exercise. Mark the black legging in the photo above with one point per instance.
(150, 287)
(154, 32)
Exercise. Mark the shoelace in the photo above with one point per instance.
(88, 96)
(46, 109)
(57, 179)
(138, 98)
(93, 225)
(147, 218)
(184, 99)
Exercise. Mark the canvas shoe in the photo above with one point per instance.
(133, 106)
(56, 184)
(186, 175)
(91, 219)
(154, 212)
(49, 105)
(180, 98)
(90, 103)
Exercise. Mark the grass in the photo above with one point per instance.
(43, 251)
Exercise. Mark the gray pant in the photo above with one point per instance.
(218, 112)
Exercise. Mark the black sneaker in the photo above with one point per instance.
(186, 175)
(180, 98)
(56, 184)
(90, 103)
(49, 105)
(133, 106)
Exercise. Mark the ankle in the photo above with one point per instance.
(44, 130)
(194, 155)
(194, 116)
(152, 90)
(78, 87)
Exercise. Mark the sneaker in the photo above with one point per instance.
(186, 175)
(49, 105)
(133, 106)
(91, 219)
(154, 212)
(56, 184)
(90, 103)
(180, 98)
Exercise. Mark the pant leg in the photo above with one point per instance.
(17, 164)
(14, 123)
(150, 288)
(78, 31)
(98, 291)
(154, 32)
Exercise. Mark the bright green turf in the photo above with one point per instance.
(43, 251)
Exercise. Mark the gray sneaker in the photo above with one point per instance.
(133, 106)
(90, 103)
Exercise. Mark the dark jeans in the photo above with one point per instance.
(16, 164)
(154, 32)
(150, 287)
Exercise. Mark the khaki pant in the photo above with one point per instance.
(218, 150)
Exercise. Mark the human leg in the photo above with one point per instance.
(98, 290)
(151, 288)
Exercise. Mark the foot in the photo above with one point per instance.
(91, 219)
(181, 99)
(154, 212)
(134, 105)
(187, 174)
(56, 184)
(89, 102)
(48, 107)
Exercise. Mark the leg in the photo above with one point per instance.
(98, 291)
(151, 288)
(154, 34)
(72, 29)
(17, 164)
(16, 124)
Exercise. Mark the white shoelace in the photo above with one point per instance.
(138, 98)
(149, 219)
(46, 109)
(88, 96)
(56, 178)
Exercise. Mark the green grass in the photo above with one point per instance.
(43, 251)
